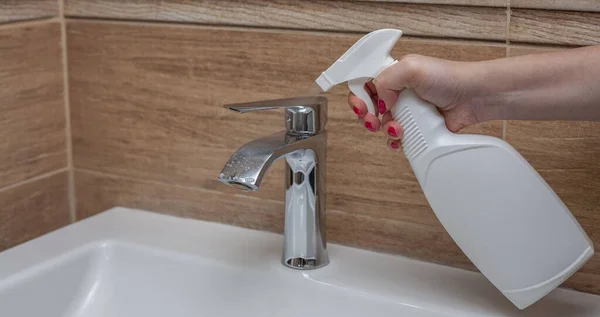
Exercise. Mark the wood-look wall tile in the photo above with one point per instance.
(555, 145)
(32, 125)
(98, 192)
(413, 19)
(33, 209)
(555, 27)
(566, 156)
(19, 10)
(146, 103)
(579, 5)
(429, 243)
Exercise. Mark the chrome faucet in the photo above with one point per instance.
(304, 146)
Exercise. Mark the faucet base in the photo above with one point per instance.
(304, 264)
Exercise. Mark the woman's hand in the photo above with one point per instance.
(443, 83)
(559, 85)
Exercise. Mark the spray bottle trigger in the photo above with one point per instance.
(357, 87)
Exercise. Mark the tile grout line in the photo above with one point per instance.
(269, 29)
(68, 136)
(25, 23)
(508, 16)
(34, 179)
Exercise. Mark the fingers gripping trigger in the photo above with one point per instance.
(357, 87)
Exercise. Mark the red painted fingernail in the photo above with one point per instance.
(357, 111)
(381, 106)
(392, 132)
(394, 145)
(369, 126)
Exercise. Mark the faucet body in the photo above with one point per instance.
(303, 145)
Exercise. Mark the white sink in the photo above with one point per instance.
(130, 263)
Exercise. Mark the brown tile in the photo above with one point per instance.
(587, 279)
(579, 5)
(32, 125)
(557, 145)
(158, 116)
(413, 19)
(429, 243)
(99, 192)
(555, 27)
(18, 10)
(33, 209)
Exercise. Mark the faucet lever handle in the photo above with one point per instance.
(303, 115)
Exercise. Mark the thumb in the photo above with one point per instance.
(390, 82)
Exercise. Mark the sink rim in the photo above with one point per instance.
(380, 276)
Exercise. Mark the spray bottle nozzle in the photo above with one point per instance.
(362, 62)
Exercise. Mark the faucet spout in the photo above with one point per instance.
(246, 168)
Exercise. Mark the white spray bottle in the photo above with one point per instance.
(496, 207)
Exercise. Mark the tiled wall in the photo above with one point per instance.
(34, 188)
(147, 79)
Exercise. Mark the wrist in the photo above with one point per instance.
(487, 98)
